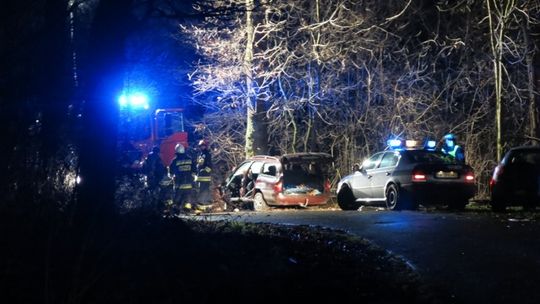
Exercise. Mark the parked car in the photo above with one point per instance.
(405, 176)
(516, 179)
(299, 179)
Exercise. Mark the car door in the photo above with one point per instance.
(361, 180)
(248, 182)
(266, 181)
(381, 174)
(234, 181)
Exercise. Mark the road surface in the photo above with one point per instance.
(470, 257)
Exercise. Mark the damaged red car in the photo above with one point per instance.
(298, 179)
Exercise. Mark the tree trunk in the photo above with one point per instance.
(533, 71)
(314, 74)
(256, 128)
(535, 103)
(500, 14)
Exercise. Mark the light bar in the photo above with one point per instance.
(122, 100)
(394, 143)
(431, 144)
(411, 143)
(135, 101)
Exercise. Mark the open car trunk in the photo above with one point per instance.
(305, 173)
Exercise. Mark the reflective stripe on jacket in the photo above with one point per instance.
(456, 152)
(183, 165)
(185, 186)
(204, 175)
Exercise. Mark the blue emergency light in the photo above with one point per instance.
(430, 144)
(134, 101)
(398, 144)
(394, 143)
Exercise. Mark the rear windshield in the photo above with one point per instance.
(531, 157)
(431, 157)
(306, 169)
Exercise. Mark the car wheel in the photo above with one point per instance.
(346, 200)
(393, 200)
(259, 204)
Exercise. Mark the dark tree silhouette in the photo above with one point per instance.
(105, 69)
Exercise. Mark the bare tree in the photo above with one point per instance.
(499, 13)
(342, 76)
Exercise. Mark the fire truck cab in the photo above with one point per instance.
(168, 131)
(141, 131)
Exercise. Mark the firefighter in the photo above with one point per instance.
(155, 171)
(203, 178)
(450, 147)
(182, 169)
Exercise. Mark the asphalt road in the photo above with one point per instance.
(469, 257)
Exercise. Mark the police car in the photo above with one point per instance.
(405, 175)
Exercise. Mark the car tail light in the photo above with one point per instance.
(418, 176)
(327, 185)
(496, 174)
(278, 187)
(469, 177)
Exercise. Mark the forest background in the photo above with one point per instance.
(268, 76)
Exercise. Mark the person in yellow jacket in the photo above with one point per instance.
(450, 147)
(182, 169)
(204, 175)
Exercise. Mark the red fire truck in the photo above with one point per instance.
(141, 129)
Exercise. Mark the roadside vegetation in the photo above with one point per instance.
(138, 258)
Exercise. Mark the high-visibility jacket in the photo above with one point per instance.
(182, 168)
(204, 166)
(204, 175)
(456, 152)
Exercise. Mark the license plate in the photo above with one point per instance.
(446, 174)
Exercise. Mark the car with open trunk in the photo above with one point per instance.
(297, 179)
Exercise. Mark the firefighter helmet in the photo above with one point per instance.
(179, 148)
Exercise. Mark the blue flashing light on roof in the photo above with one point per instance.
(394, 143)
(431, 144)
(122, 100)
(134, 101)
(411, 144)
